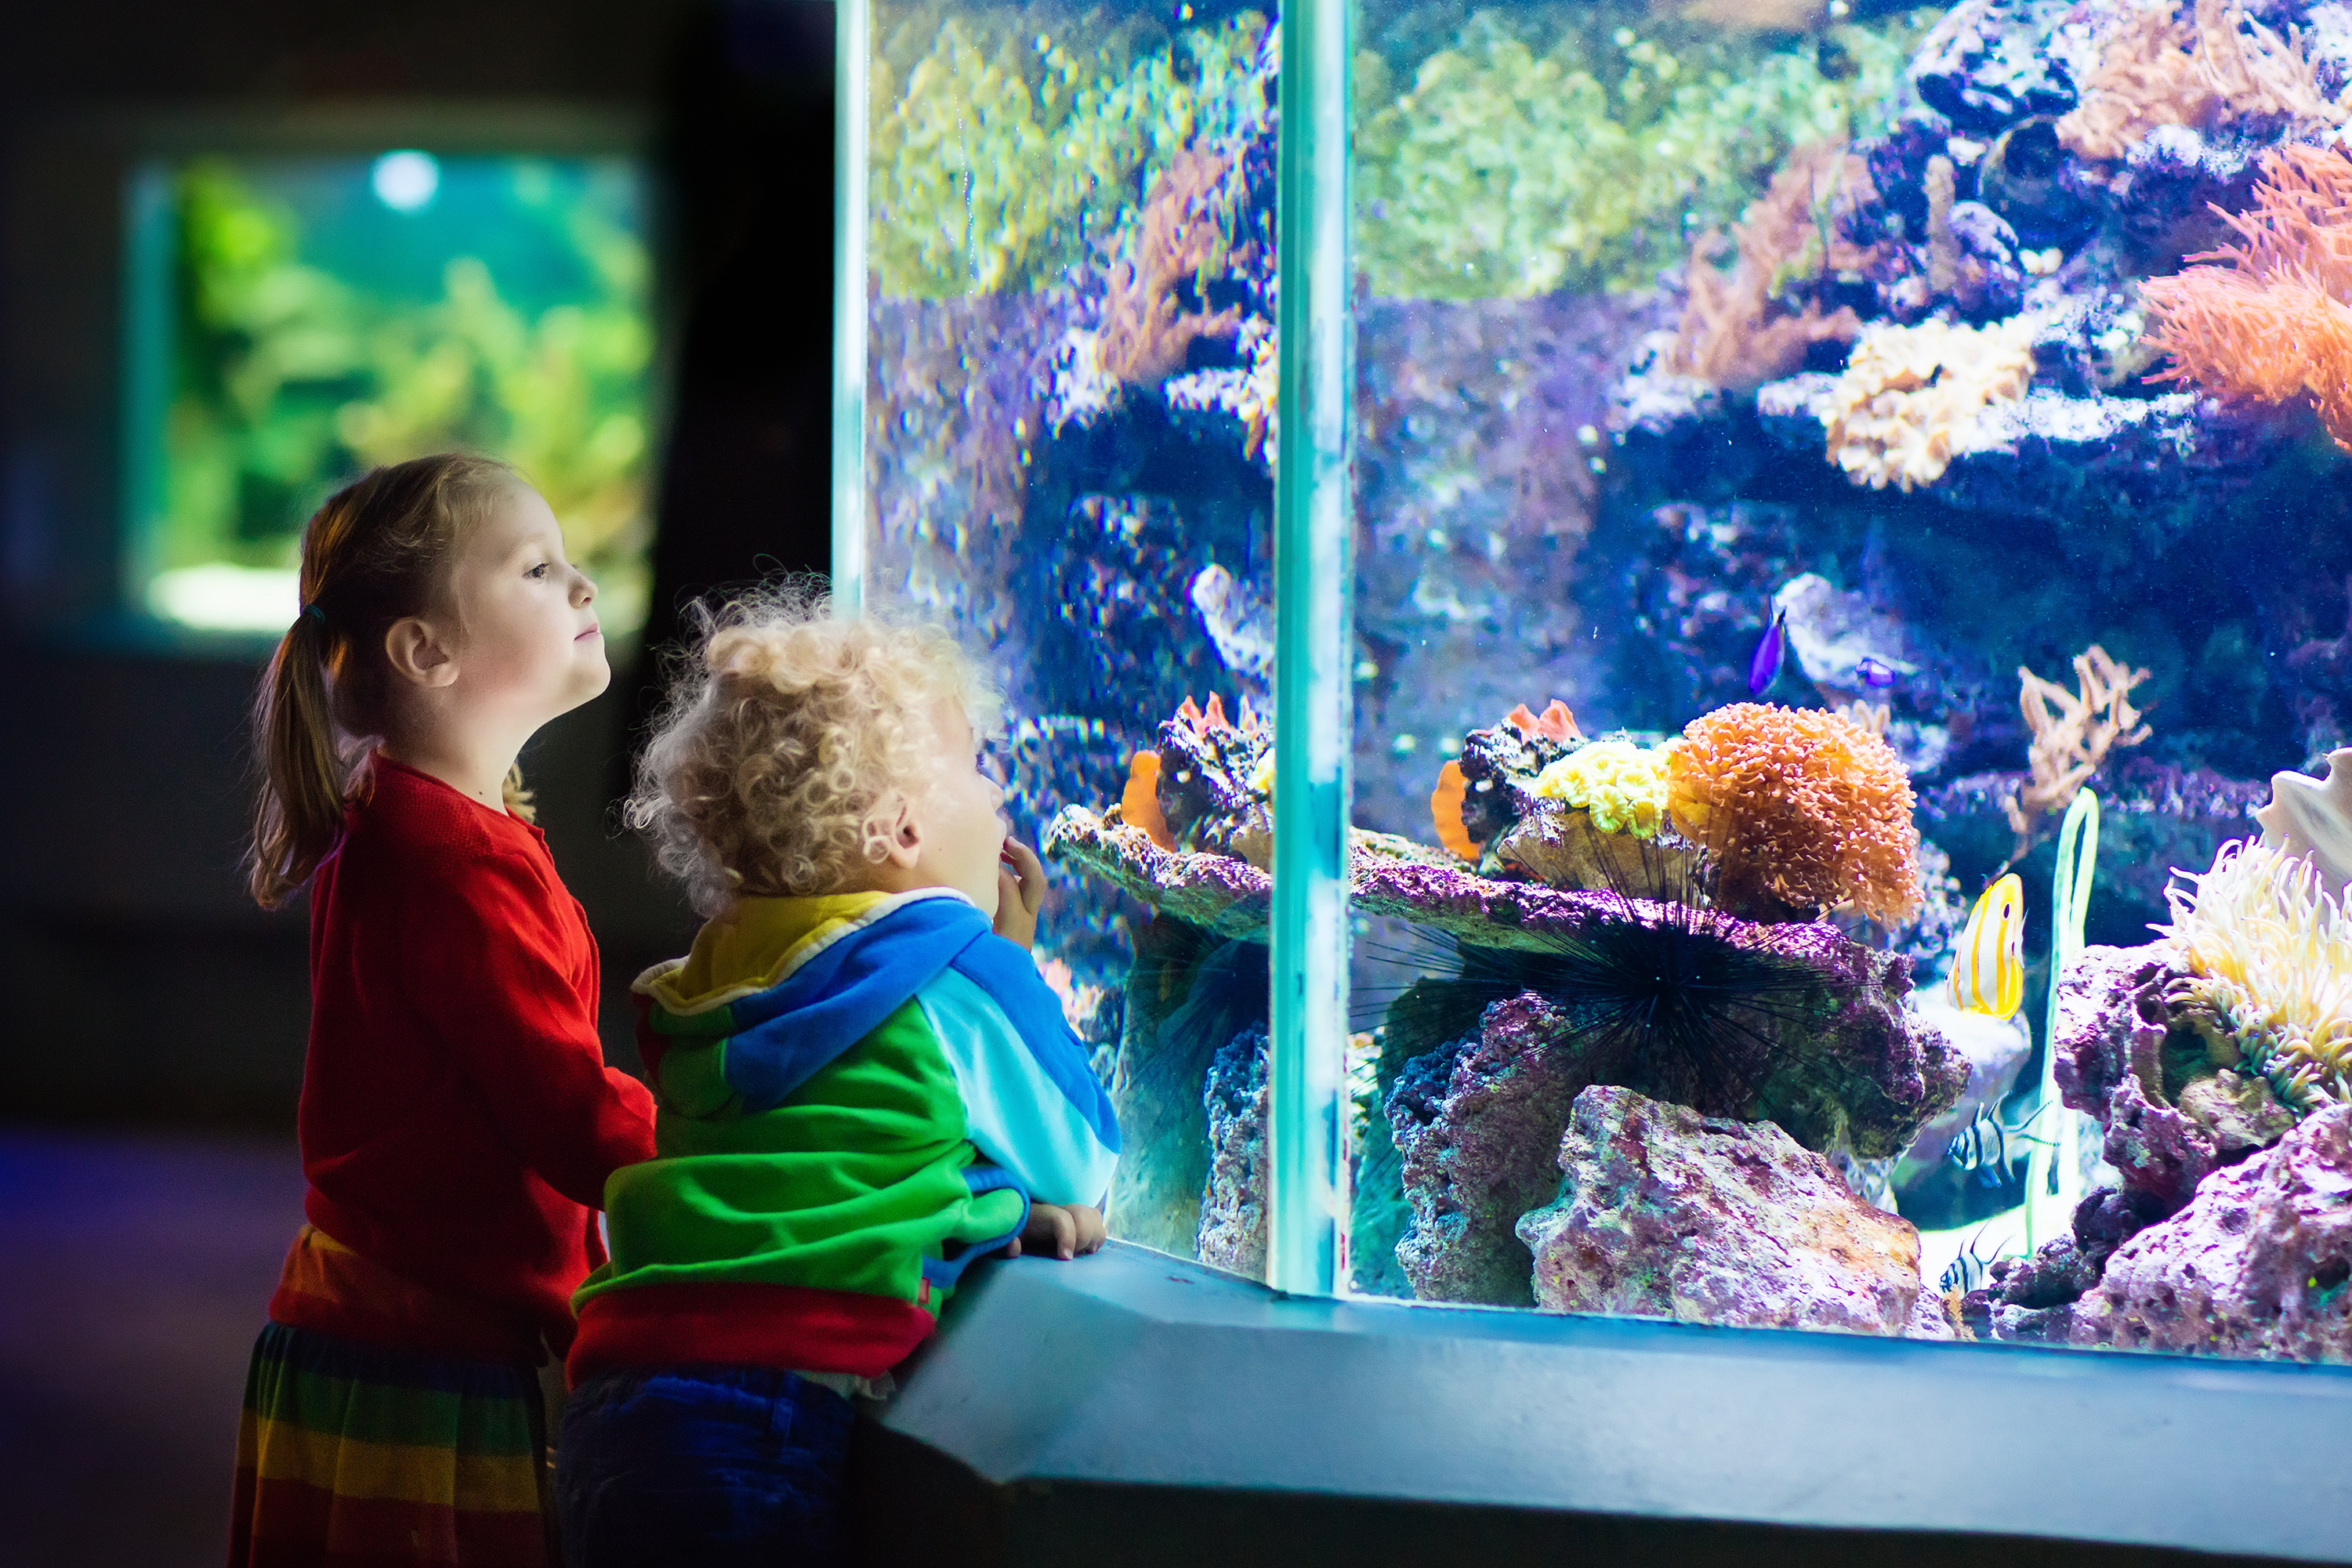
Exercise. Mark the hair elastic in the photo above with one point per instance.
(312, 611)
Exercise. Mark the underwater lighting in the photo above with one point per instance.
(219, 597)
(405, 181)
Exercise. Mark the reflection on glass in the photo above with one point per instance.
(308, 317)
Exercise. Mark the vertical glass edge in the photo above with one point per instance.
(1305, 1225)
(851, 19)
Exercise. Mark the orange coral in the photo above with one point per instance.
(2164, 68)
(2072, 743)
(1445, 810)
(1139, 806)
(1733, 332)
(1183, 236)
(1798, 810)
(2273, 325)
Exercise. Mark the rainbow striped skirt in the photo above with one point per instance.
(352, 1455)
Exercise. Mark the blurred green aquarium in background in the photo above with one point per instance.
(296, 320)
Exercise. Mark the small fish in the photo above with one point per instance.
(1988, 962)
(1765, 667)
(1981, 1145)
(1875, 674)
(1968, 1268)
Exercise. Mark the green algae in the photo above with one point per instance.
(1008, 147)
(1545, 150)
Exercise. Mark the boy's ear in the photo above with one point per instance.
(904, 847)
(417, 654)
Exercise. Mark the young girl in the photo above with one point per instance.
(863, 1088)
(457, 1119)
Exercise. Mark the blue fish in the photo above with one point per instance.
(1875, 674)
(1765, 667)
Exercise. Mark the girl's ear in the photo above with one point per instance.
(904, 847)
(417, 654)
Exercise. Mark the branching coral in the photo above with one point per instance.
(1620, 786)
(2072, 733)
(1897, 413)
(2269, 954)
(1731, 334)
(2275, 324)
(1798, 809)
(2216, 63)
(1183, 237)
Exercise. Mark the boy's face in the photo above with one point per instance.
(962, 819)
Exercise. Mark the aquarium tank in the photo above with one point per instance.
(1847, 554)
(294, 320)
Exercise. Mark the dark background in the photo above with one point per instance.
(151, 1051)
(151, 988)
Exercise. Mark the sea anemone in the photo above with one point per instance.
(1621, 785)
(1798, 810)
(2269, 955)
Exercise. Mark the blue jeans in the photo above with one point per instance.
(713, 1466)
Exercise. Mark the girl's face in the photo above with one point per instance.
(962, 819)
(530, 645)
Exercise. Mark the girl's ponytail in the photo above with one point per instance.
(300, 804)
(377, 551)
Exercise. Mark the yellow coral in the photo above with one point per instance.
(1897, 415)
(1618, 785)
(2269, 954)
(1797, 808)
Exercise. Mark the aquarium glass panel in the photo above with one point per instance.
(1849, 507)
(294, 320)
(1069, 448)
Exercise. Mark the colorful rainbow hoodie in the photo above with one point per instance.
(858, 1095)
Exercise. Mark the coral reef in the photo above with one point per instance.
(1666, 1213)
(1910, 395)
(2313, 820)
(1233, 1206)
(1475, 1124)
(2072, 744)
(2256, 1265)
(1798, 810)
(1790, 1023)
(2194, 63)
(1730, 334)
(2269, 955)
(1208, 786)
(2275, 324)
(2172, 1115)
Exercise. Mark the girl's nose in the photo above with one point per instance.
(583, 588)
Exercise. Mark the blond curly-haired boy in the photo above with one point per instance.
(863, 1084)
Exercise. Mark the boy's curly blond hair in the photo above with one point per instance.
(787, 740)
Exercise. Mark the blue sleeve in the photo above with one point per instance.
(1031, 1103)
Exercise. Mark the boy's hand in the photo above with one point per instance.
(1020, 891)
(1060, 1231)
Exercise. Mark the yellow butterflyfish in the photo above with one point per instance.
(1989, 966)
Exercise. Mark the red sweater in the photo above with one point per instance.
(457, 1118)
